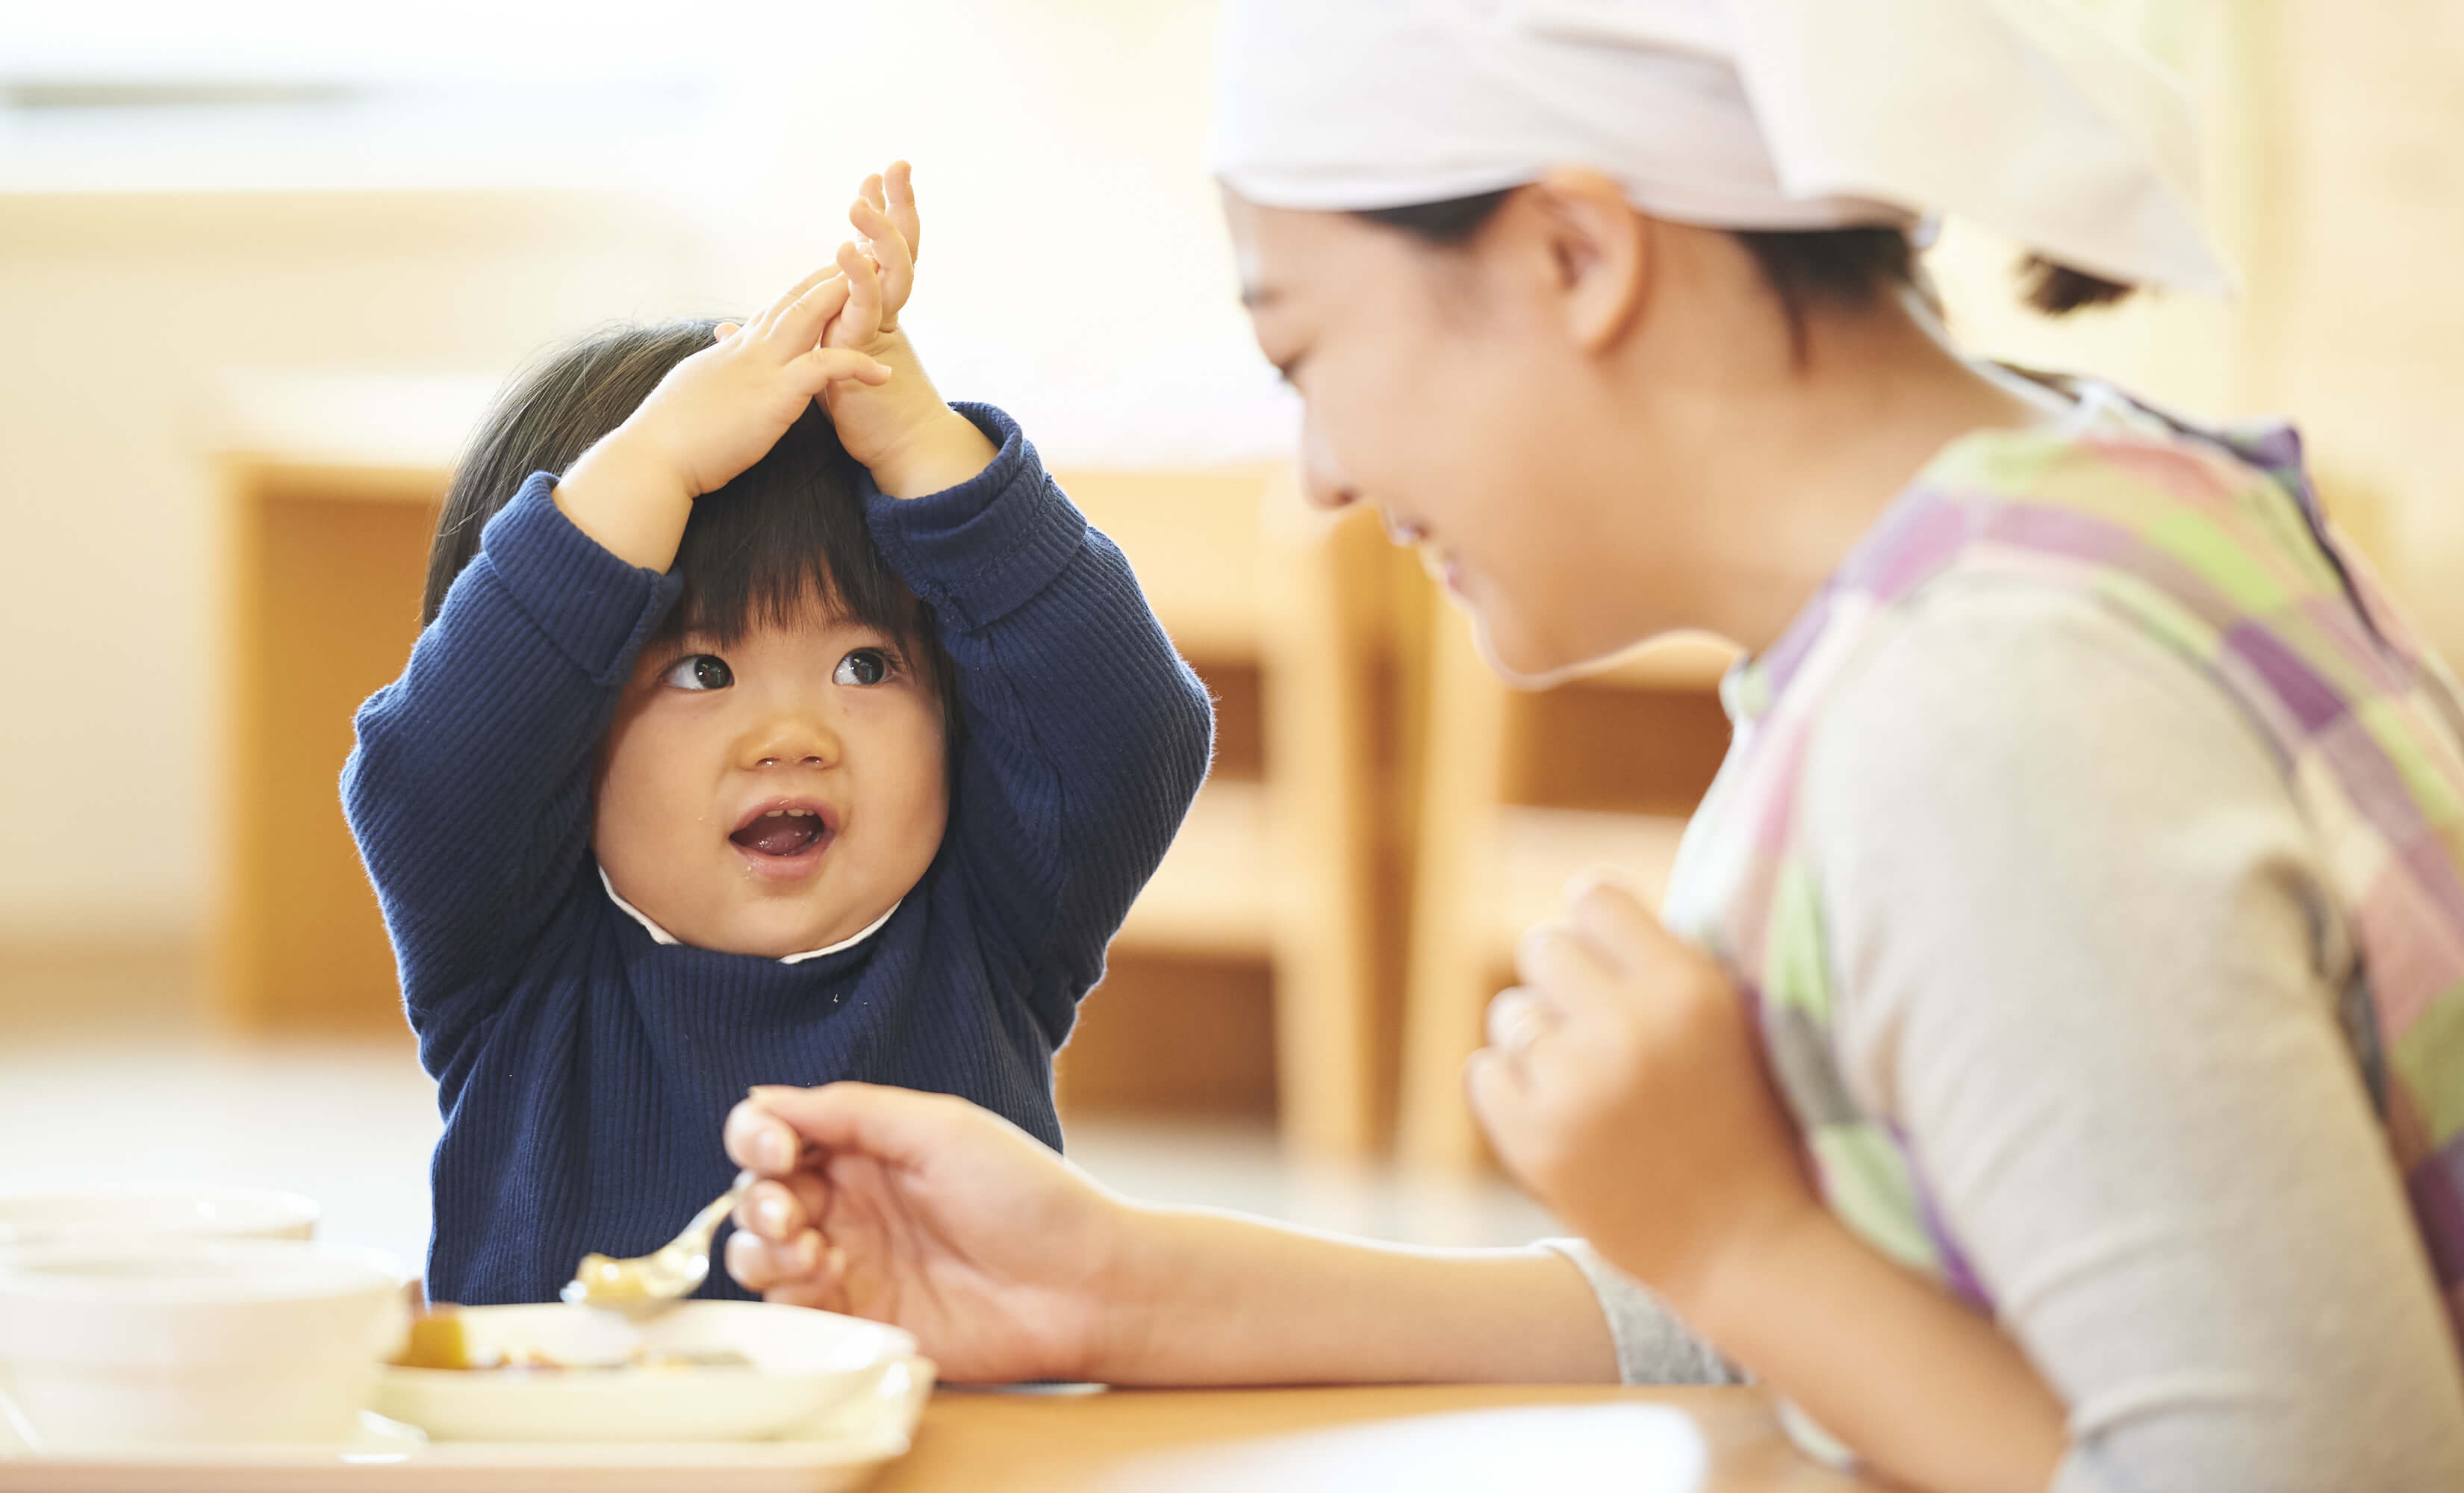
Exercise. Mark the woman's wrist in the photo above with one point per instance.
(1128, 1289)
(1732, 1278)
(1193, 1296)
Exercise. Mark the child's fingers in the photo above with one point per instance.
(900, 205)
(890, 254)
(800, 324)
(863, 319)
(724, 330)
(824, 366)
(795, 293)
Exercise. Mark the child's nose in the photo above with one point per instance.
(791, 741)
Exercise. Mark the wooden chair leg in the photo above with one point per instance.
(1320, 648)
(1447, 985)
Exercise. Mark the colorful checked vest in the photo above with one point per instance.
(2212, 544)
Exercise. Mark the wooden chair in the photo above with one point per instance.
(1519, 792)
(1279, 868)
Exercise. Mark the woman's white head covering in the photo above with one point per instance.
(2020, 115)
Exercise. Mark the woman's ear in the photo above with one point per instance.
(1602, 249)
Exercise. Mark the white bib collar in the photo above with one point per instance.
(661, 936)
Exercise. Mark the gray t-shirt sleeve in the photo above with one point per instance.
(2086, 961)
(1652, 1346)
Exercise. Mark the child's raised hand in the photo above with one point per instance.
(913, 443)
(884, 215)
(721, 410)
(714, 414)
(1623, 1086)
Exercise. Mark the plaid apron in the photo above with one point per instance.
(2212, 545)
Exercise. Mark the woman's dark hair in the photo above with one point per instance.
(787, 532)
(1846, 265)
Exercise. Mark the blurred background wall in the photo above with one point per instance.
(191, 197)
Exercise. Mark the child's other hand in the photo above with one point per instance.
(884, 215)
(914, 442)
(714, 414)
(1625, 1087)
(721, 410)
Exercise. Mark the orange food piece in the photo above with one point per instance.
(437, 1341)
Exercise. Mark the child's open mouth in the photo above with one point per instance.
(782, 831)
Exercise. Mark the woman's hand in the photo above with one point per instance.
(927, 1213)
(1623, 1086)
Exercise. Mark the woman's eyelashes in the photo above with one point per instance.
(698, 671)
(865, 666)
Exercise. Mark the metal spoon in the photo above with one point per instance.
(673, 1270)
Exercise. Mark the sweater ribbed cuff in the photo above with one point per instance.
(979, 551)
(1652, 1346)
(595, 609)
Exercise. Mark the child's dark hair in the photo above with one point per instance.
(1847, 266)
(787, 532)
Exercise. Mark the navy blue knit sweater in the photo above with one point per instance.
(584, 1070)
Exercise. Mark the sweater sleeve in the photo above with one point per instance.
(1653, 1347)
(468, 790)
(2089, 962)
(1085, 736)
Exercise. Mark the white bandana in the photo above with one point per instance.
(2020, 115)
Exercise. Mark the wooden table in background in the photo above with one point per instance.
(1429, 1439)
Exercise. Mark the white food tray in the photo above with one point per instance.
(839, 1450)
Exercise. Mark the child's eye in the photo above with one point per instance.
(864, 666)
(701, 672)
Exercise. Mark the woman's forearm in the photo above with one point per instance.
(1916, 1383)
(1217, 1298)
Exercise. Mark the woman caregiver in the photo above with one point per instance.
(2048, 1065)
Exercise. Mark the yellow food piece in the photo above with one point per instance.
(437, 1341)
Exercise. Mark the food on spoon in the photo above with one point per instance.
(438, 1340)
(601, 1281)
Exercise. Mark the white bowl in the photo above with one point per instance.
(803, 1363)
(114, 1213)
(132, 1342)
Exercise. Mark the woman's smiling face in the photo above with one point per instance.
(1443, 386)
(778, 794)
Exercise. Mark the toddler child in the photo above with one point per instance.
(749, 741)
